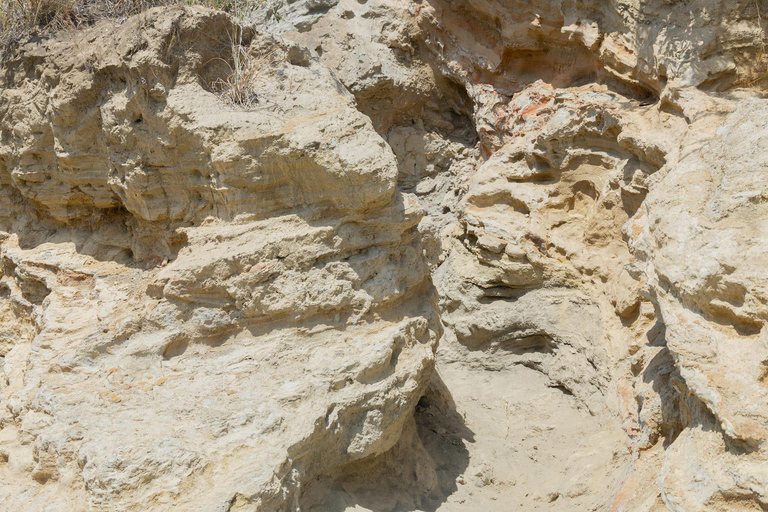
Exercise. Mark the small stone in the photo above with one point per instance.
(491, 243)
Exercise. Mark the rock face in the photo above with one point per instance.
(204, 307)
(429, 255)
(700, 243)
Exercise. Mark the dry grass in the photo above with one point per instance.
(245, 72)
(22, 18)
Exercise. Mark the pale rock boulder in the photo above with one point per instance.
(372, 49)
(377, 50)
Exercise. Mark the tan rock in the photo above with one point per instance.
(208, 305)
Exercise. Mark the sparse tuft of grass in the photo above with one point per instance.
(246, 69)
(21, 18)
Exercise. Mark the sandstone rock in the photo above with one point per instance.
(210, 303)
(699, 239)
(207, 305)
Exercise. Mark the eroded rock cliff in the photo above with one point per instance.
(204, 307)
(430, 255)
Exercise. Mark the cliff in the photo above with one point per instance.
(387, 255)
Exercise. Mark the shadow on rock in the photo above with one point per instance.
(419, 473)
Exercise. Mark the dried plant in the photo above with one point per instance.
(246, 70)
(22, 18)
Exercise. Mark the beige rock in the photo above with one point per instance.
(208, 305)
(699, 241)
(218, 305)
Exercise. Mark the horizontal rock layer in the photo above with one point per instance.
(205, 306)
(218, 295)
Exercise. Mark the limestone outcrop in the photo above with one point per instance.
(204, 306)
(387, 255)
(699, 244)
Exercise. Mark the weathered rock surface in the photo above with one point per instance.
(699, 239)
(213, 306)
(204, 307)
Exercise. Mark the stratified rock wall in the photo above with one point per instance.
(699, 242)
(208, 304)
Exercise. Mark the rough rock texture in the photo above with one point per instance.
(203, 307)
(213, 306)
(702, 250)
